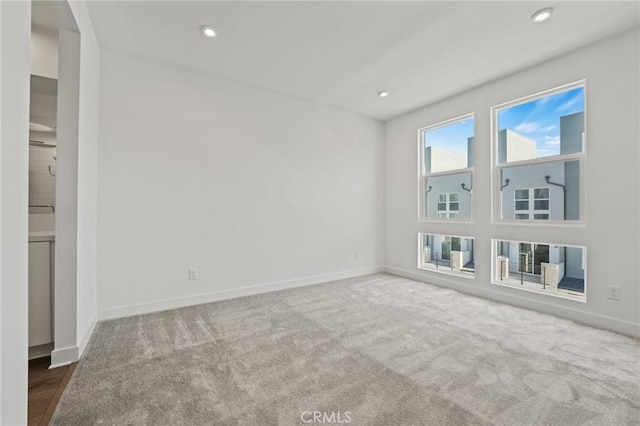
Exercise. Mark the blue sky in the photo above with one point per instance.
(453, 137)
(538, 120)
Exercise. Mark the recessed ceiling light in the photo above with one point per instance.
(208, 31)
(383, 93)
(542, 14)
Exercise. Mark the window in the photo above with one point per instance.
(531, 203)
(531, 257)
(447, 254)
(446, 159)
(539, 146)
(554, 269)
(448, 206)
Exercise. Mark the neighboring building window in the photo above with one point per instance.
(448, 206)
(531, 203)
(531, 257)
(539, 147)
(554, 269)
(447, 254)
(446, 151)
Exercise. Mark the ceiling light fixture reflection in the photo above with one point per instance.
(208, 31)
(37, 127)
(542, 14)
(383, 93)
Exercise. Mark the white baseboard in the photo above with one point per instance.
(40, 351)
(198, 299)
(87, 336)
(594, 320)
(64, 356)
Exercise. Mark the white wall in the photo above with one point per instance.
(42, 186)
(43, 111)
(15, 31)
(44, 52)
(249, 186)
(612, 208)
(66, 283)
(76, 221)
(87, 306)
(15, 23)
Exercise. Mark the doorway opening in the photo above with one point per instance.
(53, 170)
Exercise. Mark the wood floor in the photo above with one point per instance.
(45, 388)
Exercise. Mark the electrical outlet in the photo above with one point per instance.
(193, 273)
(613, 292)
(357, 255)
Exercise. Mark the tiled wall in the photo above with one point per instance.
(42, 186)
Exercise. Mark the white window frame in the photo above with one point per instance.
(423, 176)
(496, 168)
(443, 270)
(494, 267)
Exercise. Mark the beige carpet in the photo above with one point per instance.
(376, 350)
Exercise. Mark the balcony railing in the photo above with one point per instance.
(550, 276)
(453, 260)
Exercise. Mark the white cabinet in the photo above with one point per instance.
(40, 292)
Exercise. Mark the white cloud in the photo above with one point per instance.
(570, 103)
(527, 127)
(543, 101)
(552, 140)
(547, 129)
(546, 152)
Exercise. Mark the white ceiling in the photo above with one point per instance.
(341, 53)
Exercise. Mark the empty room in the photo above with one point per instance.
(319, 212)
